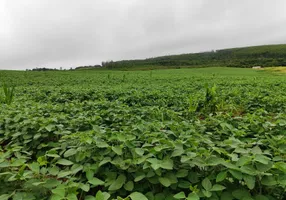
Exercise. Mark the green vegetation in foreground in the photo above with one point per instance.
(266, 56)
(206, 133)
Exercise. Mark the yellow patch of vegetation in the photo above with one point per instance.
(276, 69)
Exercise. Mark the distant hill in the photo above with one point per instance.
(88, 67)
(265, 56)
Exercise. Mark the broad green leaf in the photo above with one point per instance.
(180, 195)
(155, 164)
(64, 162)
(101, 144)
(62, 174)
(76, 168)
(268, 181)
(172, 177)
(5, 196)
(56, 197)
(240, 193)
(60, 191)
(38, 183)
(118, 183)
(24, 196)
(17, 162)
(106, 195)
(182, 173)
(282, 179)
(185, 159)
(150, 173)
(249, 180)
(230, 165)
(207, 184)
(37, 136)
(213, 161)
(160, 196)
(262, 159)
(248, 169)
(281, 166)
(52, 155)
(6, 173)
(104, 161)
(43, 171)
(71, 196)
(85, 187)
(221, 176)
(193, 196)
(88, 197)
(184, 184)
(139, 178)
(129, 186)
(277, 158)
(137, 196)
(193, 177)
(50, 127)
(99, 196)
(89, 174)
(35, 167)
(179, 150)
(54, 170)
(164, 181)
(51, 183)
(70, 152)
(95, 181)
(167, 164)
(139, 151)
(256, 150)
(236, 174)
(4, 164)
(117, 150)
(217, 187)
(150, 195)
(262, 167)
(244, 160)
(207, 193)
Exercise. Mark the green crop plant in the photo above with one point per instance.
(209, 103)
(75, 135)
(7, 95)
(124, 78)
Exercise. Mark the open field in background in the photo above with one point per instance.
(276, 69)
(200, 133)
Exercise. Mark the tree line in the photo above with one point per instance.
(265, 56)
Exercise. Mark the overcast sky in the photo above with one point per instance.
(70, 33)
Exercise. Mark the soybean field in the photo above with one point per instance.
(187, 134)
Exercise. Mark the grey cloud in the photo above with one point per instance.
(69, 33)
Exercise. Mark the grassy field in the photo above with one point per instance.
(276, 69)
(201, 133)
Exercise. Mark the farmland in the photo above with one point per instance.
(201, 133)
